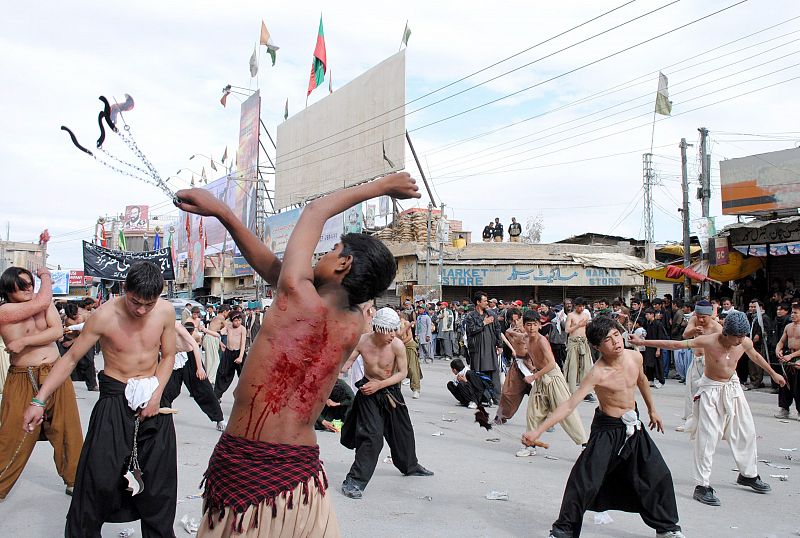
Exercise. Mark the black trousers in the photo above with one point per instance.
(371, 420)
(560, 353)
(201, 391)
(474, 390)
(791, 391)
(227, 368)
(85, 371)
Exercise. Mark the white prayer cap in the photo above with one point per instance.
(386, 320)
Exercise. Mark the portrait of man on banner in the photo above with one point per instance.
(136, 217)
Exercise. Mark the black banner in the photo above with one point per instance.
(114, 264)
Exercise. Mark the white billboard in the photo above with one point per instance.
(764, 182)
(343, 139)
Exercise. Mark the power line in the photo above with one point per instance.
(496, 100)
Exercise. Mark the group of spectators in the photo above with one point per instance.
(493, 232)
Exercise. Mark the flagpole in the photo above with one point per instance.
(653, 131)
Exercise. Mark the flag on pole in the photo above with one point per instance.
(663, 104)
(266, 40)
(188, 226)
(213, 166)
(225, 155)
(226, 91)
(286, 110)
(100, 234)
(254, 63)
(330, 82)
(123, 244)
(157, 241)
(319, 64)
(406, 35)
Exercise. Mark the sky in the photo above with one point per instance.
(556, 130)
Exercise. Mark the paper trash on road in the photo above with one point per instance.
(549, 457)
(190, 524)
(497, 495)
(602, 518)
(781, 477)
(437, 434)
(787, 449)
(426, 498)
(775, 466)
(127, 532)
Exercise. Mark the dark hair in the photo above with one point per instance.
(144, 280)
(189, 326)
(223, 308)
(723, 299)
(656, 301)
(578, 301)
(511, 311)
(372, 270)
(785, 306)
(187, 304)
(603, 300)
(599, 327)
(530, 315)
(196, 309)
(757, 301)
(457, 364)
(679, 303)
(650, 311)
(11, 282)
(88, 301)
(236, 316)
(478, 296)
(71, 310)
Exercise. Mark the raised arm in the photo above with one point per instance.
(300, 249)
(53, 332)
(694, 343)
(756, 357)
(16, 312)
(257, 254)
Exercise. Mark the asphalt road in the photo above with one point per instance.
(467, 467)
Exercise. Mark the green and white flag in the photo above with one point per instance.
(123, 244)
(663, 104)
(406, 35)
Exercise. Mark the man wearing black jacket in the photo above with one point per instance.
(652, 357)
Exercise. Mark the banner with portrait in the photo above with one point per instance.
(136, 218)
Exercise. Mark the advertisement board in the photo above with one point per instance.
(759, 183)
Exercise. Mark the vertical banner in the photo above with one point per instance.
(369, 220)
(704, 228)
(720, 250)
(242, 191)
(353, 220)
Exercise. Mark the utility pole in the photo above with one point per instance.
(649, 232)
(441, 240)
(687, 283)
(428, 254)
(705, 175)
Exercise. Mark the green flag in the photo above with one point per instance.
(123, 245)
(319, 63)
(406, 35)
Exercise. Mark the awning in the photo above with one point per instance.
(737, 267)
(677, 249)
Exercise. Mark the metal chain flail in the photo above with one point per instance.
(134, 464)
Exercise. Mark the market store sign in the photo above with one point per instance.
(537, 275)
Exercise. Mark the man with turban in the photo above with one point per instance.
(379, 410)
(720, 408)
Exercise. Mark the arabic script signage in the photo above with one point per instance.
(537, 275)
(776, 232)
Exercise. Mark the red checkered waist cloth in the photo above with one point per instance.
(243, 473)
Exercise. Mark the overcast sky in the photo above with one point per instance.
(580, 166)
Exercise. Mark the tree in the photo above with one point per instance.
(533, 230)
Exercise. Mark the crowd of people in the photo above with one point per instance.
(325, 358)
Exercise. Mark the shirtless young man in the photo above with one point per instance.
(579, 354)
(720, 408)
(788, 352)
(131, 329)
(269, 455)
(30, 326)
(212, 341)
(549, 386)
(514, 387)
(188, 370)
(232, 357)
(620, 468)
(379, 409)
(704, 321)
(406, 335)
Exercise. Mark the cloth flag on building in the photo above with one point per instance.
(188, 227)
(663, 104)
(157, 241)
(254, 63)
(266, 40)
(225, 155)
(286, 110)
(406, 35)
(100, 234)
(123, 243)
(226, 91)
(319, 64)
(213, 166)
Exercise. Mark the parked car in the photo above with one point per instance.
(178, 305)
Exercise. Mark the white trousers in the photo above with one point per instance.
(693, 375)
(721, 412)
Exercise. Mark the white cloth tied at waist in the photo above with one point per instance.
(139, 391)
(181, 358)
(728, 390)
(632, 423)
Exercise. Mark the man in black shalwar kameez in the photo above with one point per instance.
(621, 468)
(483, 339)
(125, 422)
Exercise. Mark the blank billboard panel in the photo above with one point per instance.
(342, 139)
(763, 182)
